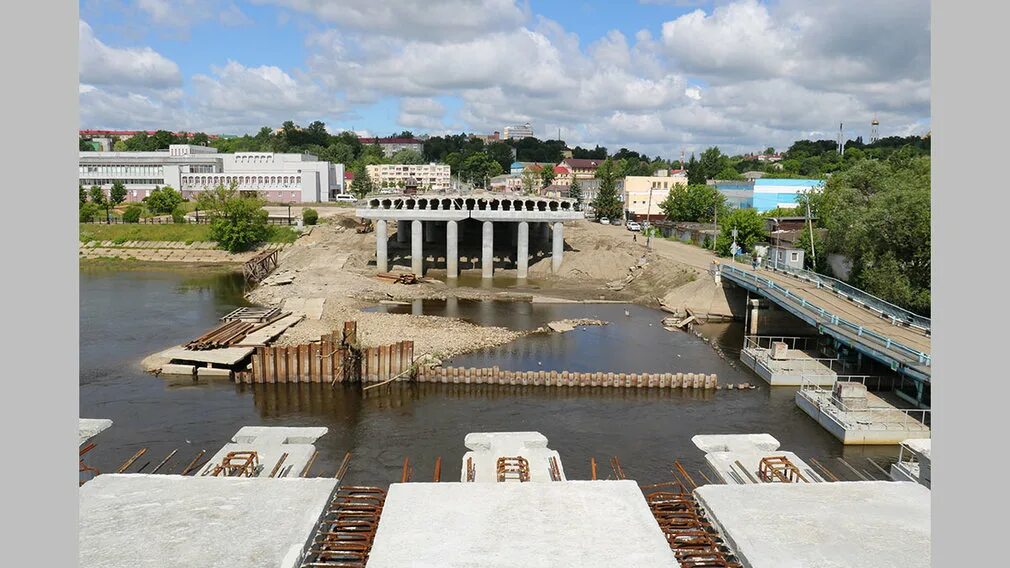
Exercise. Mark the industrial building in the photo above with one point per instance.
(765, 194)
(281, 178)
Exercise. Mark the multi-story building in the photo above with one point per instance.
(506, 182)
(643, 194)
(579, 168)
(518, 131)
(283, 178)
(773, 193)
(391, 146)
(427, 177)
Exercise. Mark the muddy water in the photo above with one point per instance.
(127, 315)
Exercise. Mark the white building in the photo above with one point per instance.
(393, 145)
(280, 178)
(431, 177)
(518, 131)
(644, 194)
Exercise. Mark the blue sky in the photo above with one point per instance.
(655, 75)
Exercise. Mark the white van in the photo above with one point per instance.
(345, 197)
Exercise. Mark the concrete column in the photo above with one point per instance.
(416, 253)
(487, 251)
(402, 231)
(559, 246)
(451, 250)
(381, 235)
(523, 249)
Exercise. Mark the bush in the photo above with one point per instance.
(163, 200)
(132, 214)
(179, 214)
(88, 211)
(310, 216)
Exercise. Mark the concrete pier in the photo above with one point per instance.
(270, 443)
(737, 457)
(427, 212)
(522, 250)
(381, 235)
(402, 231)
(558, 248)
(88, 428)
(487, 447)
(416, 254)
(451, 249)
(487, 251)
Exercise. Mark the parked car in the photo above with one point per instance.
(604, 221)
(633, 226)
(346, 197)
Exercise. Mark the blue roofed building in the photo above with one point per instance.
(772, 193)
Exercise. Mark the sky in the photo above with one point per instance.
(657, 76)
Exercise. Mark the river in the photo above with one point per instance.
(126, 315)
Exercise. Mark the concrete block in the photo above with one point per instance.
(176, 369)
(211, 372)
(779, 350)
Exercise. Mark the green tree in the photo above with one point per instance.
(237, 221)
(82, 195)
(200, 139)
(120, 146)
(406, 156)
(478, 169)
(546, 176)
(575, 191)
(85, 145)
(132, 214)
(693, 203)
(729, 174)
(117, 194)
(695, 173)
(310, 216)
(362, 184)
(750, 227)
(607, 204)
(530, 181)
(97, 195)
(164, 200)
(712, 162)
(338, 153)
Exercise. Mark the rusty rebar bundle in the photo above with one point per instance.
(346, 532)
(513, 468)
(237, 464)
(778, 469)
(693, 539)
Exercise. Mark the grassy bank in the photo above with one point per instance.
(185, 233)
(108, 264)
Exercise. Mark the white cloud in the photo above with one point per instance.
(182, 14)
(99, 64)
(422, 112)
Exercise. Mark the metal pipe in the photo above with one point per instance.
(438, 469)
(164, 461)
(308, 465)
(130, 461)
(280, 462)
(192, 463)
(342, 470)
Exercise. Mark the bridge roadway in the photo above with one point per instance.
(868, 330)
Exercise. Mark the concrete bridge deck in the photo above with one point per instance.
(903, 343)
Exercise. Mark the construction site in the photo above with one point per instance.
(213, 511)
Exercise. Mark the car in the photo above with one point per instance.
(604, 221)
(633, 226)
(345, 197)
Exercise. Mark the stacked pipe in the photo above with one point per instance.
(226, 334)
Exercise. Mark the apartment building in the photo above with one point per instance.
(426, 177)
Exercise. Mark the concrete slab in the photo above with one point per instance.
(170, 521)
(487, 447)
(870, 524)
(491, 525)
(735, 442)
(223, 356)
(88, 428)
(736, 458)
(210, 373)
(270, 443)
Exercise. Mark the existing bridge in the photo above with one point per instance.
(433, 216)
(878, 329)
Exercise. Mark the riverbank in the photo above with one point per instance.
(603, 264)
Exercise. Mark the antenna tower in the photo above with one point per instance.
(841, 143)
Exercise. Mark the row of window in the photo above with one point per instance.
(88, 182)
(123, 169)
(242, 180)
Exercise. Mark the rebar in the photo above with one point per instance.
(164, 461)
(516, 468)
(345, 534)
(130, 461)
(308, 465)
(193, 463)
(277, 467)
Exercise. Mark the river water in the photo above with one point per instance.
(127, 315)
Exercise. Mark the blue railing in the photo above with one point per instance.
(869, 301)
(828, 317)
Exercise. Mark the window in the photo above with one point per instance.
(795, 257)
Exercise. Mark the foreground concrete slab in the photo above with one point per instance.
(487, 447)
(88, 428)
(870, 524)
(170, 521)
(271, 443)
(570, 523)
(737, 457)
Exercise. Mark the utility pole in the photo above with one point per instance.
(715, 209)
(810, 225)
(648, 229)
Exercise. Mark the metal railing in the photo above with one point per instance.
(896, 314)
(828, 317)
(868, 418)
(807, 366)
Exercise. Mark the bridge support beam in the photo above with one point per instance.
(451, 250)
(381, 236)
(559, 246)
(416, 252)
(487, 251)
(522, 249)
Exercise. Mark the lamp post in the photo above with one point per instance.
(289, 213)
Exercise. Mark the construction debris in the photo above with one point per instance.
(252, 314)
(224, 335)
(398, 277)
